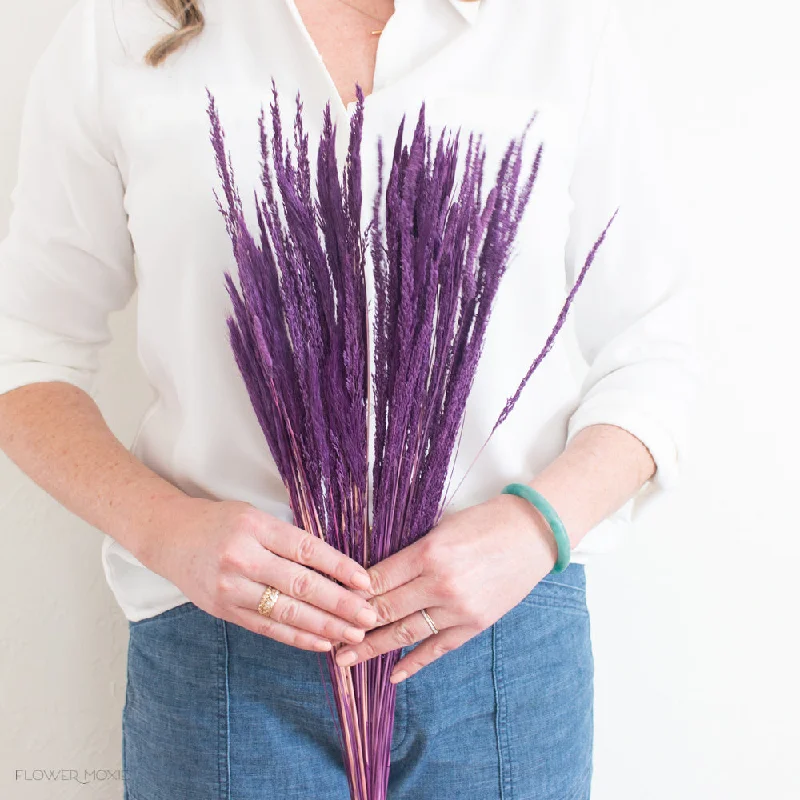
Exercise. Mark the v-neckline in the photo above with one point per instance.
(341, 107)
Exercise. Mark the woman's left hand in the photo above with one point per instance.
(467, 572)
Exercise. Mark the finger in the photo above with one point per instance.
(297, 613)
(397, 569)
(304, 584)
(432, 648)
(304, 548)
(405, 600)
(265, 626)
(402, 633)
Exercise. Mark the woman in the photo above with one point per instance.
(223, 700)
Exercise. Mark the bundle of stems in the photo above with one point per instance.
(362, 398)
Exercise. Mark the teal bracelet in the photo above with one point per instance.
(553, 520)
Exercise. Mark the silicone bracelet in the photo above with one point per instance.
(553, 520)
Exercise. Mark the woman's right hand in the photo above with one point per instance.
(222, 554)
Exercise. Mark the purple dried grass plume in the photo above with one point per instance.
(320, 365)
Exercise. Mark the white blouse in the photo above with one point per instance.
(115, 192)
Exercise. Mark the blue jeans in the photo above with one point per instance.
(216, 712)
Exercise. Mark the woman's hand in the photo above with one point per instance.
(468, 571)
(221, 554)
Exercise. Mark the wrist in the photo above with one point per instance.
(530, 523)
(161, 522)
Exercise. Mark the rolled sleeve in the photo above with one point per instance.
(635, 315)
(67, 260)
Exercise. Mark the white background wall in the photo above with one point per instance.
(694, 621)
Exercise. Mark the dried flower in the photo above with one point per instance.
(362, 410)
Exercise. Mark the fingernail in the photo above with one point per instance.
(360, 579)
(323, 645)
(367, 616)
(398, 676)
(345, 657)
(354, 634)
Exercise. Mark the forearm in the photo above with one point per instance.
(600, 469)
(55, 433)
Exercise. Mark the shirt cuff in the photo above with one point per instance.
(622, 410)
(12, 376)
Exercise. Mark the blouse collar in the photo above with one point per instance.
(467, 8)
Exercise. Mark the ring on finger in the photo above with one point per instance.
(288, 610)
(428, 619)
(267, 602)
(388, 638)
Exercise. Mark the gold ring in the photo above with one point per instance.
(429, 620)
(267, 602)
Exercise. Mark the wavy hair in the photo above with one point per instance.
(190, 21)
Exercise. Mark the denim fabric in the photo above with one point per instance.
(215, 712)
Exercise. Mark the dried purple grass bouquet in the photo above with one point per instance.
(362, 403)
